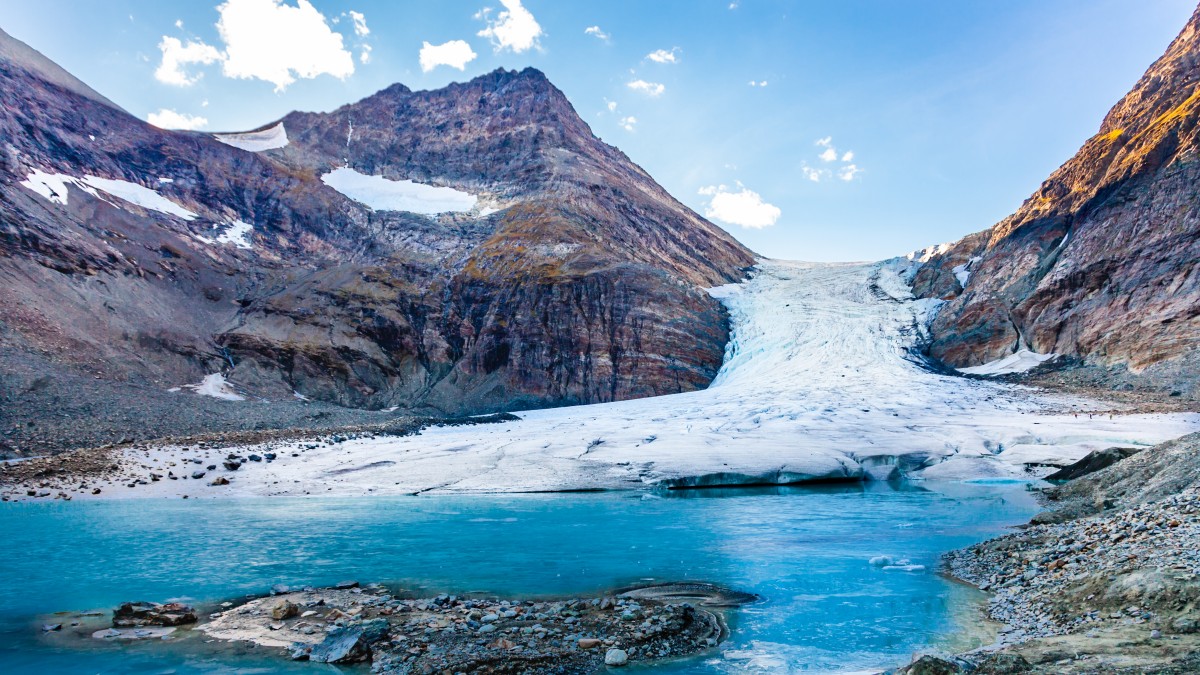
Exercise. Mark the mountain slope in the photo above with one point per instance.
(137, 260)
(1101, 263)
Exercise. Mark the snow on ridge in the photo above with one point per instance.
(383, 194)
(270, 138)
(54, 188)
(1017, 362)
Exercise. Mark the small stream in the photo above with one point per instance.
(805, 550)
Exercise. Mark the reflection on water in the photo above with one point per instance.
(803, 549)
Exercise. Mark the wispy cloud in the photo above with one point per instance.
(169, 119)
(759, 83)
(595, 30)
(664, 56)
(651, 88)
(627, 123)
(829, 154)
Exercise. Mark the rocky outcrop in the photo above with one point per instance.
(1102, 263)
(581, 281)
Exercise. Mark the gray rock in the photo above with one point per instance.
(616, 658)
(341, 645)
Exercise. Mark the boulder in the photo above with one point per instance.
(132, 614)
(616, 658)
(341, 645)
(284, 609)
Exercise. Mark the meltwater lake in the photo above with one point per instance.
(805, 550)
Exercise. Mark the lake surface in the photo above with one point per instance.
(804, 550)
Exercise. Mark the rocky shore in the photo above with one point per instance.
(92, 471)
(348, 624)
(1108, 581)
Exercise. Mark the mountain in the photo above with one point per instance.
(1102, 263)
(512, 258)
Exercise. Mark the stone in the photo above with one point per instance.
(931, 665)
(284, 609)
(232, 465)
(197, 474)
(589, 643)
(341, 645)
(616, 657)
(51, 627)
(136, 614)
(346, 585)
(220, 480)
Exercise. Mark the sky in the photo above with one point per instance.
(815, 130)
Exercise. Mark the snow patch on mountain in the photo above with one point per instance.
(383, 194)
(214, 386)
(1017, 362)
(54, 188)
(257, 141)
(236, 232)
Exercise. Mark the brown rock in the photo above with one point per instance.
(284, 609)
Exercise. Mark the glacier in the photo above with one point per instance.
(822, 380)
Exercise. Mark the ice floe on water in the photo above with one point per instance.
(383, 194)
(820, 382)
(270, 138)
(54, 188)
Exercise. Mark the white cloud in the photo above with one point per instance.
(515, 28)
(271, 41)
(360, 24)
(651, 88)
(455, 53)
(760, 83)
(595, 30)
(848, 172)
(627, 123)
(664, 56)
(176, 55)
(169, 119)
(179, 23)
(611, 105)
(815, 175)
(830, 154)
(365, 55)
(745, 207)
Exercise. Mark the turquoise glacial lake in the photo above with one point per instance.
(825, 609)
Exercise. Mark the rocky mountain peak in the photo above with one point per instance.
(13, 52)
(1102, 263)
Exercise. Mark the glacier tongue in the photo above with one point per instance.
(819, 383)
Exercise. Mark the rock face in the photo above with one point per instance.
(575, 279)
(1102, 263)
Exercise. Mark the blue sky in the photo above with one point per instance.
(952, 111)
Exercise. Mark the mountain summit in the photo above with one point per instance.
(1102, 263)
(462, 250)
